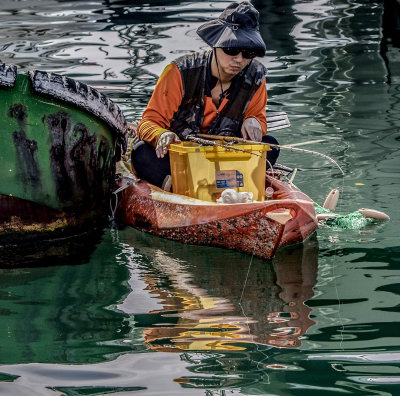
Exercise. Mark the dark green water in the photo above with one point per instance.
(132, 314)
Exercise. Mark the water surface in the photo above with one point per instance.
(132, 314)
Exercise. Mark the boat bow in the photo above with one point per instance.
(256, 228)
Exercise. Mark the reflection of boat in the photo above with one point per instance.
(258, 228)
(59, 142)
(73, 249)
(63, 313)
(296, 271)
(209, 306)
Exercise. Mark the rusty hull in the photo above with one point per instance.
(23, 221)
(252, 228)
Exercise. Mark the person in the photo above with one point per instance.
(221, 91)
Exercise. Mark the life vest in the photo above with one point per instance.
(189, 117)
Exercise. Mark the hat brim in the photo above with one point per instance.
(218, 34)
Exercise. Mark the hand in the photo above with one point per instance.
(164, 141)
(251, 129)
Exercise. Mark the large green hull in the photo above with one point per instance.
(57, 159)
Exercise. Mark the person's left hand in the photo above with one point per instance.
(251, 129)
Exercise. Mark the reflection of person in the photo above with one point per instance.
(221, 91)
(271, 310)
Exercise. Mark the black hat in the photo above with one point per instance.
(236, 27)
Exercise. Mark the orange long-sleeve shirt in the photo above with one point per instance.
(167, 97)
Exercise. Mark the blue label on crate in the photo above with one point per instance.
(228, 179)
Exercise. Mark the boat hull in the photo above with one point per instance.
(57, 156)
(257, 228)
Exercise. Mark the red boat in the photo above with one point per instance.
(256, 228)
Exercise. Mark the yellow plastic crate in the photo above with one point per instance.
(203, 172)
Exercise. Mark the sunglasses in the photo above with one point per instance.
(246, 53)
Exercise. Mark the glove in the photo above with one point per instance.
(164, 141)
(251, 129)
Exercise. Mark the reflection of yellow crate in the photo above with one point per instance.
(203, 172)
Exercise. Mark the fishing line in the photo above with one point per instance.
(341, 205)
(339, 307)
(257, 345)
(247, 319)
(286, 147)
(113, 209)
(228, 147)
(334, 275)
(341, 188)
(245, 280)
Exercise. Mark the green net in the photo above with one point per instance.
(350, 221)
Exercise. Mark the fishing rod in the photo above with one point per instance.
(207, 142)
(226, 146)
(241, 140)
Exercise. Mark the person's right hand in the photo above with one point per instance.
(164, 141)
(251, 129)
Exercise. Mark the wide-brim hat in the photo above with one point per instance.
(236, 27)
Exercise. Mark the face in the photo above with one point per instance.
(231, 65)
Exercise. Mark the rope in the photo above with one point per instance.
(115, 193)
(311, 152)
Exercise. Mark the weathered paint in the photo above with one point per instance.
(52, 153)
(22, 220)
(243, 227)
(57, 249)
(57, 160)
(82, 96)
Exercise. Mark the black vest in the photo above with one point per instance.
(188, 119)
